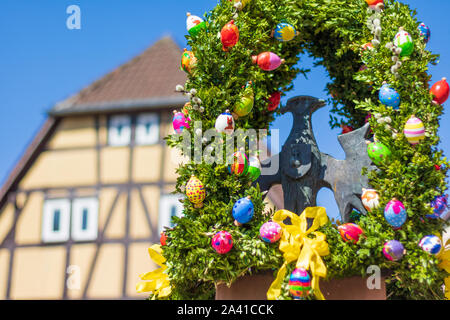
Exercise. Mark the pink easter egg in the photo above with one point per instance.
(180, 121)
(222, 242)
(270, 232)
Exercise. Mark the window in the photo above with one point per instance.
(169, 206)
(119, 133)
(63, 220)
(84, 219)
(147, 129)
(56, 220)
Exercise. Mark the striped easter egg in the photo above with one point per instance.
(240, 164)
(299, 283)
(414, 130)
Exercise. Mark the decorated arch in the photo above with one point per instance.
(243, 56)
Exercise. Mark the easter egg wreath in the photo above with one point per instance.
(364, 46)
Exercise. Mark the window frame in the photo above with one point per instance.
(148, 138)
(114, 138)
(48, 234)
(78, 204)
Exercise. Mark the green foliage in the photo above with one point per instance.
(333, 32)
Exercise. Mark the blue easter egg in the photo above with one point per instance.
(395, 213)
(425, 32)
(431, 244)
(389, 97)
(284, 32)
(243, 210)
(439, 205)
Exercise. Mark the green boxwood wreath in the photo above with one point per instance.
(333, 31)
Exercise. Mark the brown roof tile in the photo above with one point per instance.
(149, 78)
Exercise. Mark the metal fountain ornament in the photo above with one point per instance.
(304, 169)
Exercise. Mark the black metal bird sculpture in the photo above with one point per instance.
(304, 170)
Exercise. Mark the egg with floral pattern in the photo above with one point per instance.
(284, 32)
(222, 242)
(188, 61)
(180, 121)
(395, 213)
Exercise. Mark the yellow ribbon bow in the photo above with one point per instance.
(296, 245)
(444, 256)
(159, 282)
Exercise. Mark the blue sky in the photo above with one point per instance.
(42, 62)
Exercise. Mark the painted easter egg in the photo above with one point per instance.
(393, 250)
(188, 61)
(180, 121)
(222, 242)
(254, 169)
(187, 108)
(300, 284)
(440, 90)
(284, 32)
(350, 232)
(414, 130)
(395, 213)
(389, 96)
(163, 239)
(229, 35)
(274, 101)
(240, 164)
(195, 191)
(404, 41)
(440, 207)
(267, 61)
(243, 211)
(370, 199)
(431, 244)
(194, 24)
(425, 32)
(246, 102)
(225, 123)
(373, 3)
(270, 232)
(378, 152)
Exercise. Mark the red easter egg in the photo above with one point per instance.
(350, 232)
(163, 239)
(440, 91)
(229, 35)
(274, 101)
(267, 61)
(373, 3)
